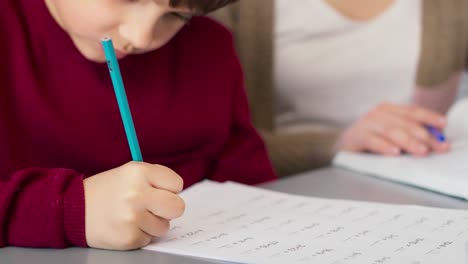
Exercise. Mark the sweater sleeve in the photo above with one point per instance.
(244, 157)
(42, 208)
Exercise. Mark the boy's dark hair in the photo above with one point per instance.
(201, 6)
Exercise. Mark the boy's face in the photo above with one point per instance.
(135, 26)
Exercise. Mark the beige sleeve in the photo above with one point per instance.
(252, 25)
(251, 22)
(444, 49)
(292, 153)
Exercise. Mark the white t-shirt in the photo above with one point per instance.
(332, 69)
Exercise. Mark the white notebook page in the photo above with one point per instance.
(445, 173)
(233, 222)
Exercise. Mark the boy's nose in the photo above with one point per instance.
(139, 27)
(139, 36)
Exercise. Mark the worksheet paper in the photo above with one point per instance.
(443, 173)
(242, 224)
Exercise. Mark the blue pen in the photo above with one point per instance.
(436, 133)
(122, 101)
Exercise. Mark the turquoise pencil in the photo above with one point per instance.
(122, 101)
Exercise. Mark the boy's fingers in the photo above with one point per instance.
(164, 178)
(143, 240)
(158, 176)
(164, 204)
(136, 240)
(153, 225)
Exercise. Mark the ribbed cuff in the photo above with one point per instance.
(74, 213)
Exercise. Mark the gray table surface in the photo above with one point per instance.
(326, 183)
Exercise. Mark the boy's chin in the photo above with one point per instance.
(93, 55)
(99, 58)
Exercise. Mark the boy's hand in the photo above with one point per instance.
(128, 205)
(393, 129)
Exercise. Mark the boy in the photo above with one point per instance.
(62, 181)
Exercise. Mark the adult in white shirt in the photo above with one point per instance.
(353, 64)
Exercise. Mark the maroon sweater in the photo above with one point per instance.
(60, 123)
